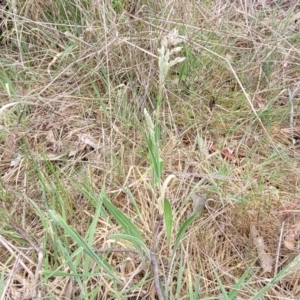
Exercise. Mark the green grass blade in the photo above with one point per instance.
(124, 221)
(182, 230)
(238, 285)
(224, 293)
(82, 243)
(135, 241)
(292, 266)
(168, 219)
(197, 287)
(90, 234)
(179, 279)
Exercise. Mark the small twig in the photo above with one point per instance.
(203, 175)
(291, 96)
(278, 249)
(154, 262)
(117, 250)
(10, 276)
(38, 249)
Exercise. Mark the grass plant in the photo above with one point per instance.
(116, 117)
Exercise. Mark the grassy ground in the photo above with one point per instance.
(149, 150)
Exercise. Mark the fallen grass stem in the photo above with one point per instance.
(35, 246)
(120, 250)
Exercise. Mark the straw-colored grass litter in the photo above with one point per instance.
(149, 150)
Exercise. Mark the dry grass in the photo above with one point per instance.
(75, 79)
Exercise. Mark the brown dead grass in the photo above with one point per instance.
(86, 124)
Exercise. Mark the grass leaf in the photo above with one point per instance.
(168, 219)
(182, 230)
(127, 225)
(82, 243)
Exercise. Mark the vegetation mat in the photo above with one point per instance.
(149, 149)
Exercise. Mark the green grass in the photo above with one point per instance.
(114, 115)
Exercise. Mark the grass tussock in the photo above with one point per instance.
(149, 150)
